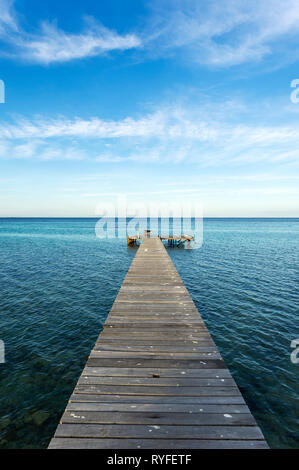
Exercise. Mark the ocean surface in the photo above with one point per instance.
(58, 282)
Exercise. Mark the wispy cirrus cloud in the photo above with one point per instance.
(206, 136)
(53, 45)
(8, 20)
(224, 33)
(205, 32)
(169, 123)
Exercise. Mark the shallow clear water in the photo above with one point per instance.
(58, 282)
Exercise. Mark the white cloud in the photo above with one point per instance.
(52, 44)
(207, 32)
(7, 17)
(223, 33)
(205, 135)
(169, 122)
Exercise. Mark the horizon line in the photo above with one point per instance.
(146, 217)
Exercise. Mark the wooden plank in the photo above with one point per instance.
(155, 323)
(166, 307)
(171, 419)
(154, 390)
(159, 432)
(156, 381)
(155, 378)
(158, 408)
(156, 342)
(161, 348)
(160, 363)
(169, 318)
(73, 443)
(201, 356)
(151, 399)
(157, 372)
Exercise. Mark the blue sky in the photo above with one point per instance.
(162, 100)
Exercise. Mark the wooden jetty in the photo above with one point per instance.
(175, 240)
(155, 378)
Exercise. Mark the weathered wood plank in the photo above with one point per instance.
(156, 381)
(150, 399)
(153, 390)
(154, 321)
(157, 372)
(73, 443)
(201, 356)
(156, 342)
(158, 408)
(100, 346)
(160, 363)
(159, 432)
(173, 419)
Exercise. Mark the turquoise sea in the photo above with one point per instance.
(58, 282)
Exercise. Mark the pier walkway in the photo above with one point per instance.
(155, 378)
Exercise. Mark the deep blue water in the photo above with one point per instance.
(58, 282)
